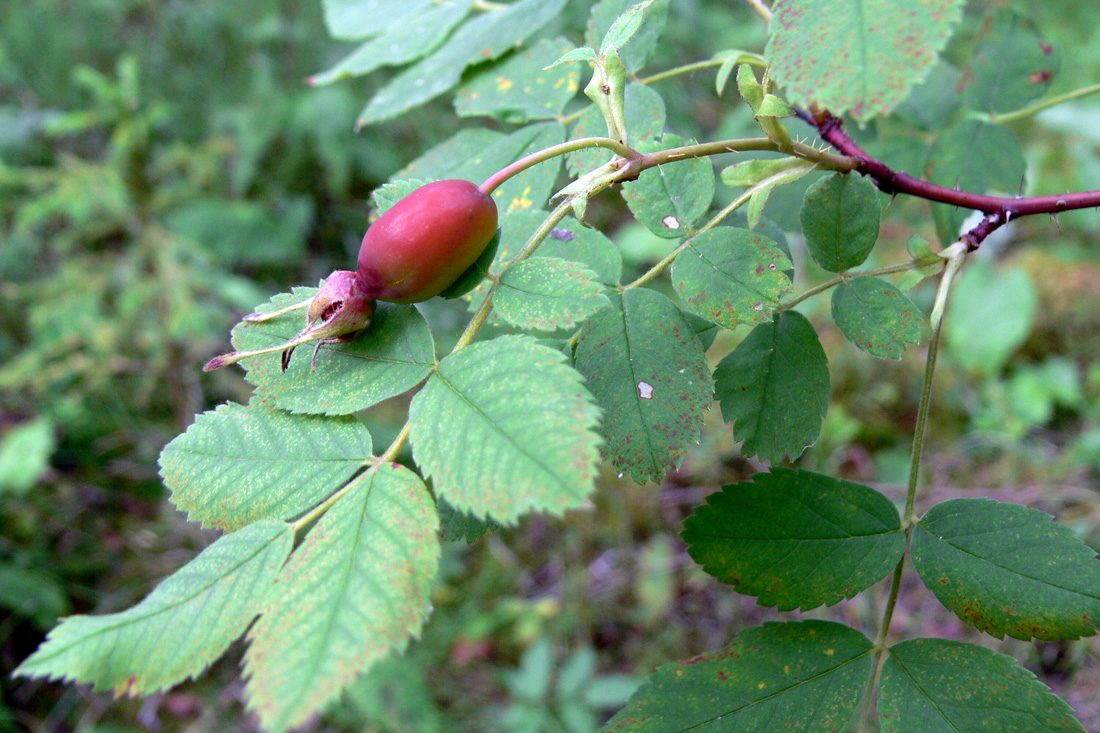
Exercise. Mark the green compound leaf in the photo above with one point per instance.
(351, 20)
(237, 464)
(1006, 569)
(520, 89)
(547, 294)
(775, 388)
(389, 194)
(571, 240)
(179, 629)
(391, 356)
(840, 218)
(643, 362)
(668, 199)
(865, 59)
(1013, 67)
(990, 316)
(943, 686)
(810, 675)
(401, 42)
(455, 525)
(973, 156)
(645, 120)
(876, 316)
(796, 539)
(504, 427)
(352, 593)
(477, 154)
(481, 39)
(633, 29)
(731, 276)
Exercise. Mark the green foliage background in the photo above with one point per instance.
(163, 169)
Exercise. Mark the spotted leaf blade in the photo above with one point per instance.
(238, 464)
(775, 388)
(390, 356)
(865, 59)
(669, 199)
(520, 89)
(876, 316)
(796, 539)
(810, 675)
(179, 629)
(505, 427)
(647, 370)
(355, 591)
(732, 276)
(548, 294)
(944, 686)
(1006, 569)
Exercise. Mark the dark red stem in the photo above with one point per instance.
(998, 211)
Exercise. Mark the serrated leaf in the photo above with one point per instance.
(350, 20)
(876, 316)
(520, 89)
(990, 316)
(973, 156)
(645, 366)
(796, 539)
(749, 87)
(583, 53)
(1013, 67)
(939, 685)
(775, 388)
(179, 629)
(752, 172)
(476, 154)
(867, 56)
(1006, 569)
(773, 106)
(455, 525)
(547, 294)
(730, 59)
(645, 120)
(354, 591)
(238, 464)
(390, 356)
(810, 675)
(390, 193)
(481, 39)
(411, 37)
(731, 276)
(840, 219)
(633, 29)
(569, 240)
(762, 190)
(669, 198)
(504, 427)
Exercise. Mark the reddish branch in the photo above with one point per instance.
(998, 211)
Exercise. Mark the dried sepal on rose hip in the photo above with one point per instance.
(413, 252)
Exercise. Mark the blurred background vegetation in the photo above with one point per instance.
(163, 168)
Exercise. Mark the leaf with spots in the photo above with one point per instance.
(1006, 569)
(476, 154)
(354, 591)
(483, 38)
(645, 120)
(632, 28)
(238, 464)
(520, 89)
(796, 539)
(775, 388)
(179, 629)
(865, 59)
(809, 674)
(731, 276)
(876, 316)
(390, 356)
(840, 219)
(547, 294)
(944, 686)
(417, 34)
(505, 427)
(646, 367)
(669, 198)
(1013, 67)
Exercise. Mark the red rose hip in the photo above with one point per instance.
(421, 244)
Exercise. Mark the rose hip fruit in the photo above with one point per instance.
(421, 245)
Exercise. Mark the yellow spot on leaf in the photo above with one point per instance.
(829, 652)
(503, 84)
(761, 686)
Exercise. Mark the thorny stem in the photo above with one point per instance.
(833, 282)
